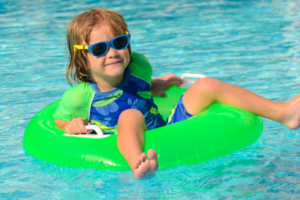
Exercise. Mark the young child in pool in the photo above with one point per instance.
(116, 86)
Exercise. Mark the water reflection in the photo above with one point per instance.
(253, 44)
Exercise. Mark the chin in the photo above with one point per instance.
(116, 72)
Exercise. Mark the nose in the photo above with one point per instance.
(112, 53)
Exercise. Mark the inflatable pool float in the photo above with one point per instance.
(217, 131)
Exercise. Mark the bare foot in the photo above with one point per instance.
(144, 167)
(291, 117)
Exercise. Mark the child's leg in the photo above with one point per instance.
(207, 91)
(131, 127)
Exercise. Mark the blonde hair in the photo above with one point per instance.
(78, 34)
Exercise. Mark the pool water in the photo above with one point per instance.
(254, 44)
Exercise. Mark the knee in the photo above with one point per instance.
(131, 115)
(206, 84)
(131, 121)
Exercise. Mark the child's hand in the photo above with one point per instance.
(77, 126)
(159, 85)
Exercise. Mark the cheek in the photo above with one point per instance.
(94, 61)
(127, 55)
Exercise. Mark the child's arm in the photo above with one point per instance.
(75, 126)
(159, 85)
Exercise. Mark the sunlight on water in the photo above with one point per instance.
(253, 44)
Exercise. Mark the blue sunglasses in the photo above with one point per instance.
(100, 49)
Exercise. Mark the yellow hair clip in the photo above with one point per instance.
(80, 47)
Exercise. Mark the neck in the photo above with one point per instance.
(108, 83)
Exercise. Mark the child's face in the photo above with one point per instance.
(114, 62)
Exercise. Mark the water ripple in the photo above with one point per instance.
(253, 44)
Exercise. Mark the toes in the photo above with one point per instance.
(136, 164)
(143, 157)
(152, 154)
(139, 161)
(153, 159)
(145, 167)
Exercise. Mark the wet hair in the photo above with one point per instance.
(79, 31)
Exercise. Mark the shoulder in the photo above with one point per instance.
(75, 102)
(79, 89)
(78, 94)
(140, 66)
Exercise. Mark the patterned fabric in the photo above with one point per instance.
(178, 113)
(133, 93)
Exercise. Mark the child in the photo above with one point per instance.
(115, 90)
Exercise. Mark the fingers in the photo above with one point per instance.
(77, 126)
(159, 93)
(175, 79)
(81, 125)
(168, 84)
(172, 77)
(171, 83)
(169, 80)
(164, 83)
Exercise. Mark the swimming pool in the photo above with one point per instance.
(253, 44)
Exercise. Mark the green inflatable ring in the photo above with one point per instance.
(217, 131)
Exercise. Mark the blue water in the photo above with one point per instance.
(253, 44)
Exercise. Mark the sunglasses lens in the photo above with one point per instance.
(99, 49)
(120, 43)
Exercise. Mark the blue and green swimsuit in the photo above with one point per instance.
(132, 93)
(103, 109)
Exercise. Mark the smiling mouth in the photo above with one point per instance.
(114, 63)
